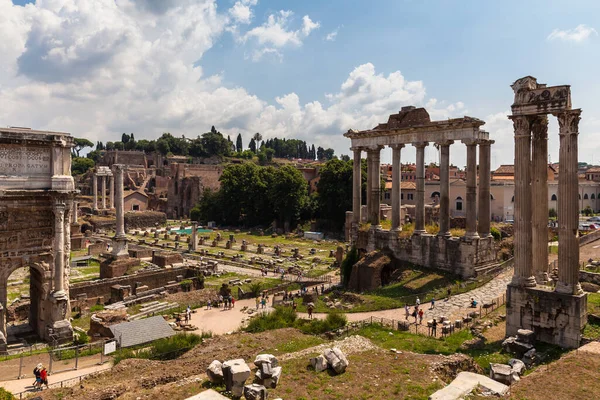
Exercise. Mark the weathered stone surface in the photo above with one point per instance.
(513, 346)
(262, 358)
(336, 359)
(526, 336)
(255, 392)
(319, 363)
(235, 373)
(273, 381)
(464, 384)
(501, 373)
(517, 366)
(215, 371)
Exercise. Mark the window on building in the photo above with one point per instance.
(579, 196)
(459, 203)
(593, 196)
(553, 197)
(135, 207)
(401, 196)
(410, 196)
(585, 196)
(512, 200)
(491, 196)
(387, 195)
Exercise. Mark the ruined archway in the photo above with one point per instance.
(36, 197)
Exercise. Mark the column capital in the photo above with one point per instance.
(357, 148)
(470, 142)
(521, 125)
(397, 146)
(485, 142)
(444, 142)
(119, 167)
(420, 145)
(568, 121)
(373, 148)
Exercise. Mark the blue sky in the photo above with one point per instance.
(97, 68)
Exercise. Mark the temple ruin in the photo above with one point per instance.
(36, 203)
(556, 315)
(472, 254)
(102, 173)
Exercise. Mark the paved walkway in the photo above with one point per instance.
(22, 385)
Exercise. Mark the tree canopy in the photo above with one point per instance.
(80, 144)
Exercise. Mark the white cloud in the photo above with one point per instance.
(308, 25)
(275, 34)
(331, 36)
(577, 35)
(241, 11)
(102, 68)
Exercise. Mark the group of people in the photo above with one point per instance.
(262, 301)
(41, 377)
(228, 302)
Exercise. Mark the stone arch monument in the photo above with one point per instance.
(36, 202)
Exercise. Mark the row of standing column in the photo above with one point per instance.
(474, 230)
(531, 201)
(103, 191)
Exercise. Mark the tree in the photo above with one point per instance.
(238, 143)
(257, 138)
(124, 138)
(110, 146)
(328, 154)
(214, 144)
(252, 145)
(320, 153)
(80, 144)
(289, 193)
(345, 157)
(208, 207)
(80, 165)
(119, 146)
(94, 156)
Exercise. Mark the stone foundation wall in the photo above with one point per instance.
(590, 277)
(554, 317)
(145, 219)
(165, 258)
(153, 279)
(455, 255)
(114, 268)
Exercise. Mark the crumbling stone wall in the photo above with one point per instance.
(367, 273)
(165, 258)
(144, 219)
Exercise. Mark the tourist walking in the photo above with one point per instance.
(232, 302)
(449, 291)
(432, 304)
(257, 302)
(294, 305)
(406, 311)
(208, 305)
(418, 302)
(322, 288)
(420, 317)
(433, 327)
(264, 302)
(310, 310)
(44, 377)
(415, 314)
(36, 372)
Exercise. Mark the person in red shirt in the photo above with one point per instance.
(44, 377)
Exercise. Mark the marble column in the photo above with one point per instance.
(420, 189)
(356, 185)
(523, 274)
(194, 244)
(484, 204)
(104, 192)
(445, 187)
(396, 183)
(375, 194)
(568, 204)
(369, 184)
(112, 191)
(59, 210)
(95, 191)
(539, 196)
(119, 206)
(75, 204)
(471, 208)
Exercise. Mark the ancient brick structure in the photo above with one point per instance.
(35, 222)
(186, 185)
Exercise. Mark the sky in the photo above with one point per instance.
(308, 69)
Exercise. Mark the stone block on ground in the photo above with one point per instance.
(235, 373)
(273, 381)
(336, 360)
(215, 371)
(319, 363)
(513, 346)
(517, 366)
(255, 392)
(465, 383)
(501, 373)
(262, 358)
(526, 336)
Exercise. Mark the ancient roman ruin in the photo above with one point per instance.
(555, 315)
(36, 203)
(466, 256)
(102, 173)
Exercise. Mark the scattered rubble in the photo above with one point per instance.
(235, 373)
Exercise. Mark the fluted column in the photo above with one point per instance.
(420, 189)
(59, 210)
(396, 183)
(104, 192)
(444, 147)
(119, 206)
(369, 184)
(523, 275)
(375, 194)
(356, 185)
(568, 204)
(75, 205)
(112, 191)
(539, 196)
(471, 208)
(95, 191)
(194, 244)
(484, 206)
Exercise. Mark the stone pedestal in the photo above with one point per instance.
(555, 318)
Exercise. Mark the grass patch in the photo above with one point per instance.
(284, 317)
(593, 303)
(591, 331)
(162, 349)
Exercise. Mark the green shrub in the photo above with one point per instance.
(496, 233)
(80, 338)
(333, 321)
(347, 264)
(6, 395)
(97, 307)
(282, 317)
(163, 349)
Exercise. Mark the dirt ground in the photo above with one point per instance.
(372, 374)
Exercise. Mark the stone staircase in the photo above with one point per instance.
(154, 307)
